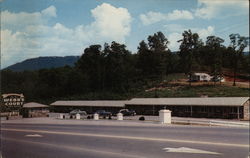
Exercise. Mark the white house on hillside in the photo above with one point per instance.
(201, 77)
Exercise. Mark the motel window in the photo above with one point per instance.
(218, 110)
(234, 110)
(203, 109)
(187, 109)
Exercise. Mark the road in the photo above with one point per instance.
(97, 141)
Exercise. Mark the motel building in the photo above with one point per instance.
(34, 109)
(207, 107)
(90, 106)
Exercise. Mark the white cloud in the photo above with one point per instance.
(50, 11)
(173, 38)
(25, 35)
(22, 19)
(153, 17)
(174, 28)
(111, 22)
(9, 19)
(179, 15)
(208, 9)
(203, 33)
(14, 44)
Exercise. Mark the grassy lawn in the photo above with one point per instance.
(197, 91)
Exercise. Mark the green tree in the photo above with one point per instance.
(190, 44)
(158, 45)
(77, 82)
(90, 64)
(214, 44)
(238, 44)
(119, 67)
(144, 61)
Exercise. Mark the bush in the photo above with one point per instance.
(142, 118)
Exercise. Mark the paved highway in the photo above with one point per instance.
(97, 141)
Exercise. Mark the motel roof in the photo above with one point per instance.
(205, 101)
(95, 103)
(34, 105)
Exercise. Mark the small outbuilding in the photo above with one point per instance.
(33, 109)
(201, 77)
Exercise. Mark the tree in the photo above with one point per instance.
(90, 64)
(144, 62)
(238, 44)
(214, 45)
(158, 42)
(158, 45)
(190, 44)
(119, 67)
(76, 83)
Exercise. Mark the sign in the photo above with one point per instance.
(13, 100)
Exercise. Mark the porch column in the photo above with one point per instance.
(191, 111)
(238, 112)
(153, 110)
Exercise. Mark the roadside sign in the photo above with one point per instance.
(13, 100)
(11, 103)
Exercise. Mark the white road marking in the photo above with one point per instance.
(128, 137)
(33, 135)
(189, 150)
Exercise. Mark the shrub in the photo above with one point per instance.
(142, 118)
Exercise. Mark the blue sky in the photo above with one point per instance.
(32, 28)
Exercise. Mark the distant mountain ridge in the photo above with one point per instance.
(43, 62)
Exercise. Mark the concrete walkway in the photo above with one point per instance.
(197, 121)
(103, 122)
(132, 121)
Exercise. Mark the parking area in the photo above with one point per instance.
(54, 118)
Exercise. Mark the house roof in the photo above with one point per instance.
(34, 105)
(209, 101)
(95, 103)
(201, 74)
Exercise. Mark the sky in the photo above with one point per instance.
(33, 28)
